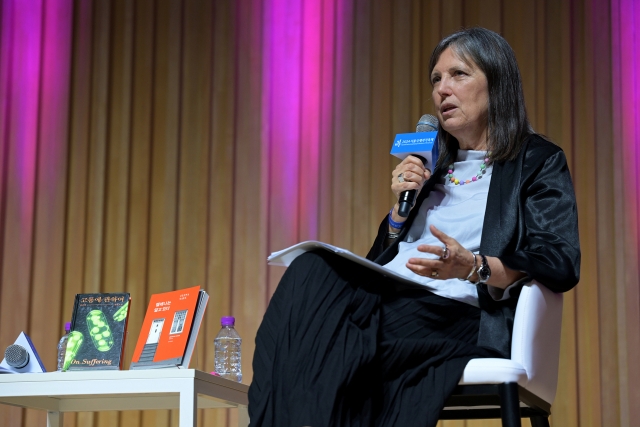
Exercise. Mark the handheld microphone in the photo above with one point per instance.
(423, 145)
(21, 357)
(427, 123)
(16, 356)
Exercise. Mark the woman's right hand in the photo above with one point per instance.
(414, 175)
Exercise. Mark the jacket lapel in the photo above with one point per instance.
(501, 214)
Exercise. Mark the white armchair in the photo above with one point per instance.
(525, 385)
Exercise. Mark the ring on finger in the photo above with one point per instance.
(445, 252)
(434, 273)
(400, 178)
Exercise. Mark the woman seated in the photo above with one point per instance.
(341, 345)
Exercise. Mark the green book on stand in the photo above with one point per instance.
(98, 331)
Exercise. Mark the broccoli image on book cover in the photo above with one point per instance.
(99, 330)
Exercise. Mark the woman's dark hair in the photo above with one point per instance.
(508, 124)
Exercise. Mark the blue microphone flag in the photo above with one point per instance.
(424, 144)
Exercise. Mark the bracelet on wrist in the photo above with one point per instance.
(473, 269)
(394, 224)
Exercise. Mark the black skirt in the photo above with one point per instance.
(341, 345)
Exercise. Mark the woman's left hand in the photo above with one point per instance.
(455, 261)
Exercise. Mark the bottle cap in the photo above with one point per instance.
(228, 320)
(67, 326)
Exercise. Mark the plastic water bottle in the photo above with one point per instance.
(62, 346)
(228, 355)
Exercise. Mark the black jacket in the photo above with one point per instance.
(530, 223)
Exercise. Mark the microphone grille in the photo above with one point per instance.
(16, 356)
(427, 123)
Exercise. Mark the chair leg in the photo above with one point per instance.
(539, 421)
(510, 405)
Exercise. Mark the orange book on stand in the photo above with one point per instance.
(170, 329)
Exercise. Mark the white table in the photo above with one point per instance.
(90, 391)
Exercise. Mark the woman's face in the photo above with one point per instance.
(461, 97)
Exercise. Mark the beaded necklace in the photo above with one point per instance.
(483, 169)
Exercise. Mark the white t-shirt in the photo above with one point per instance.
(458, 211)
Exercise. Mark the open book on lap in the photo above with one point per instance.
(286, 256)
